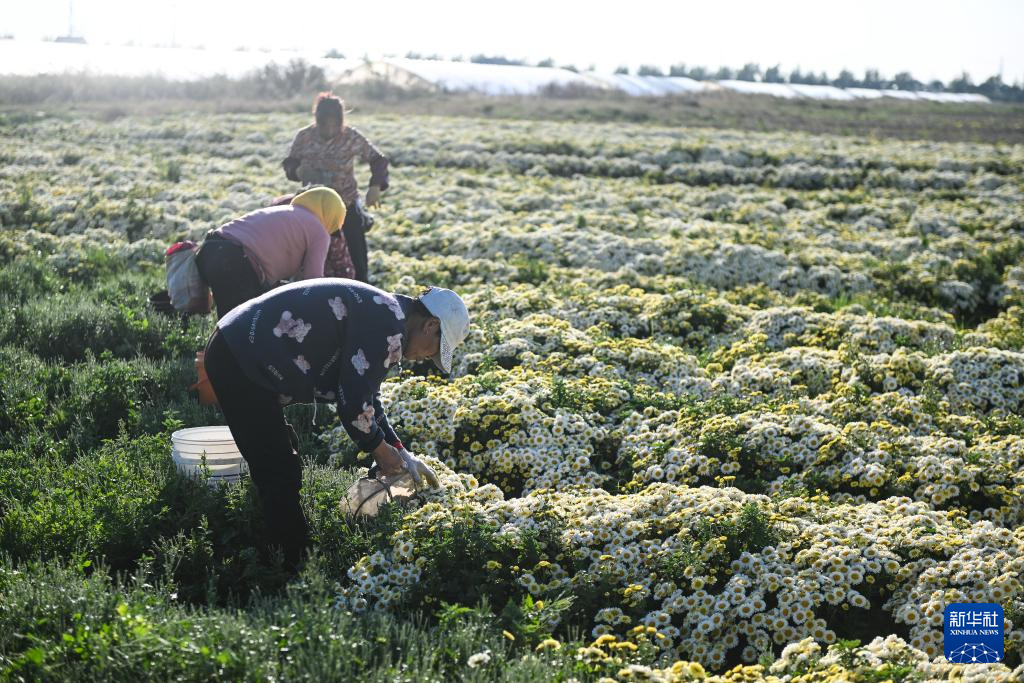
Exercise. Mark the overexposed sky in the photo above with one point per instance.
(929, 38)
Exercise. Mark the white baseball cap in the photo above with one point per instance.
(450, 309)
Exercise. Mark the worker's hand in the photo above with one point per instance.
(291, 167)
(373, 196)
(388, 459)
(419, 470)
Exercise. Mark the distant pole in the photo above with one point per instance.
(71, 14)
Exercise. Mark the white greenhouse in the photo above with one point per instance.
(820, 92)
(649, 85)
(757, 88)
(631, 85)
(899, 94)
(955, 97)
(864, 93)
(676, 85)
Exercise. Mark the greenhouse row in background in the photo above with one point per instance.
(501, 79)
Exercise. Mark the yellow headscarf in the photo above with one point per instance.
(325, 205)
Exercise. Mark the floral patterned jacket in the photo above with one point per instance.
(332, 162)
(331, 339)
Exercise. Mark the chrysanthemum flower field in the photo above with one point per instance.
(735, 407)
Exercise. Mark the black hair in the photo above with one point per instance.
(328, 103)
(420, 309)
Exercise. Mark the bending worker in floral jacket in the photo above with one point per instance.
(331, 339)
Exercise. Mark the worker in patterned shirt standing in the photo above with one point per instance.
(325, 153)
(330, 339)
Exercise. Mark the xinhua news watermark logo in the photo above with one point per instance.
(974, 633)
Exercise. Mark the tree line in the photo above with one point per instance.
(992, 87)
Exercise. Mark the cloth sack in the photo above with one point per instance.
(366, 496)
(185, 286)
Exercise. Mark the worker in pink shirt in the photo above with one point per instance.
(247, 256)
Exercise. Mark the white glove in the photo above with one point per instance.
(419, 469)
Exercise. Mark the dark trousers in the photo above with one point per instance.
(232, 279)
(268, 444)
(355, 235)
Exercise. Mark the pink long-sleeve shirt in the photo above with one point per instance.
(282, 242)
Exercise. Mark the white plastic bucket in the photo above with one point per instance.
(208, 448)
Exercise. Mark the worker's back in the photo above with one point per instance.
(306, 339)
